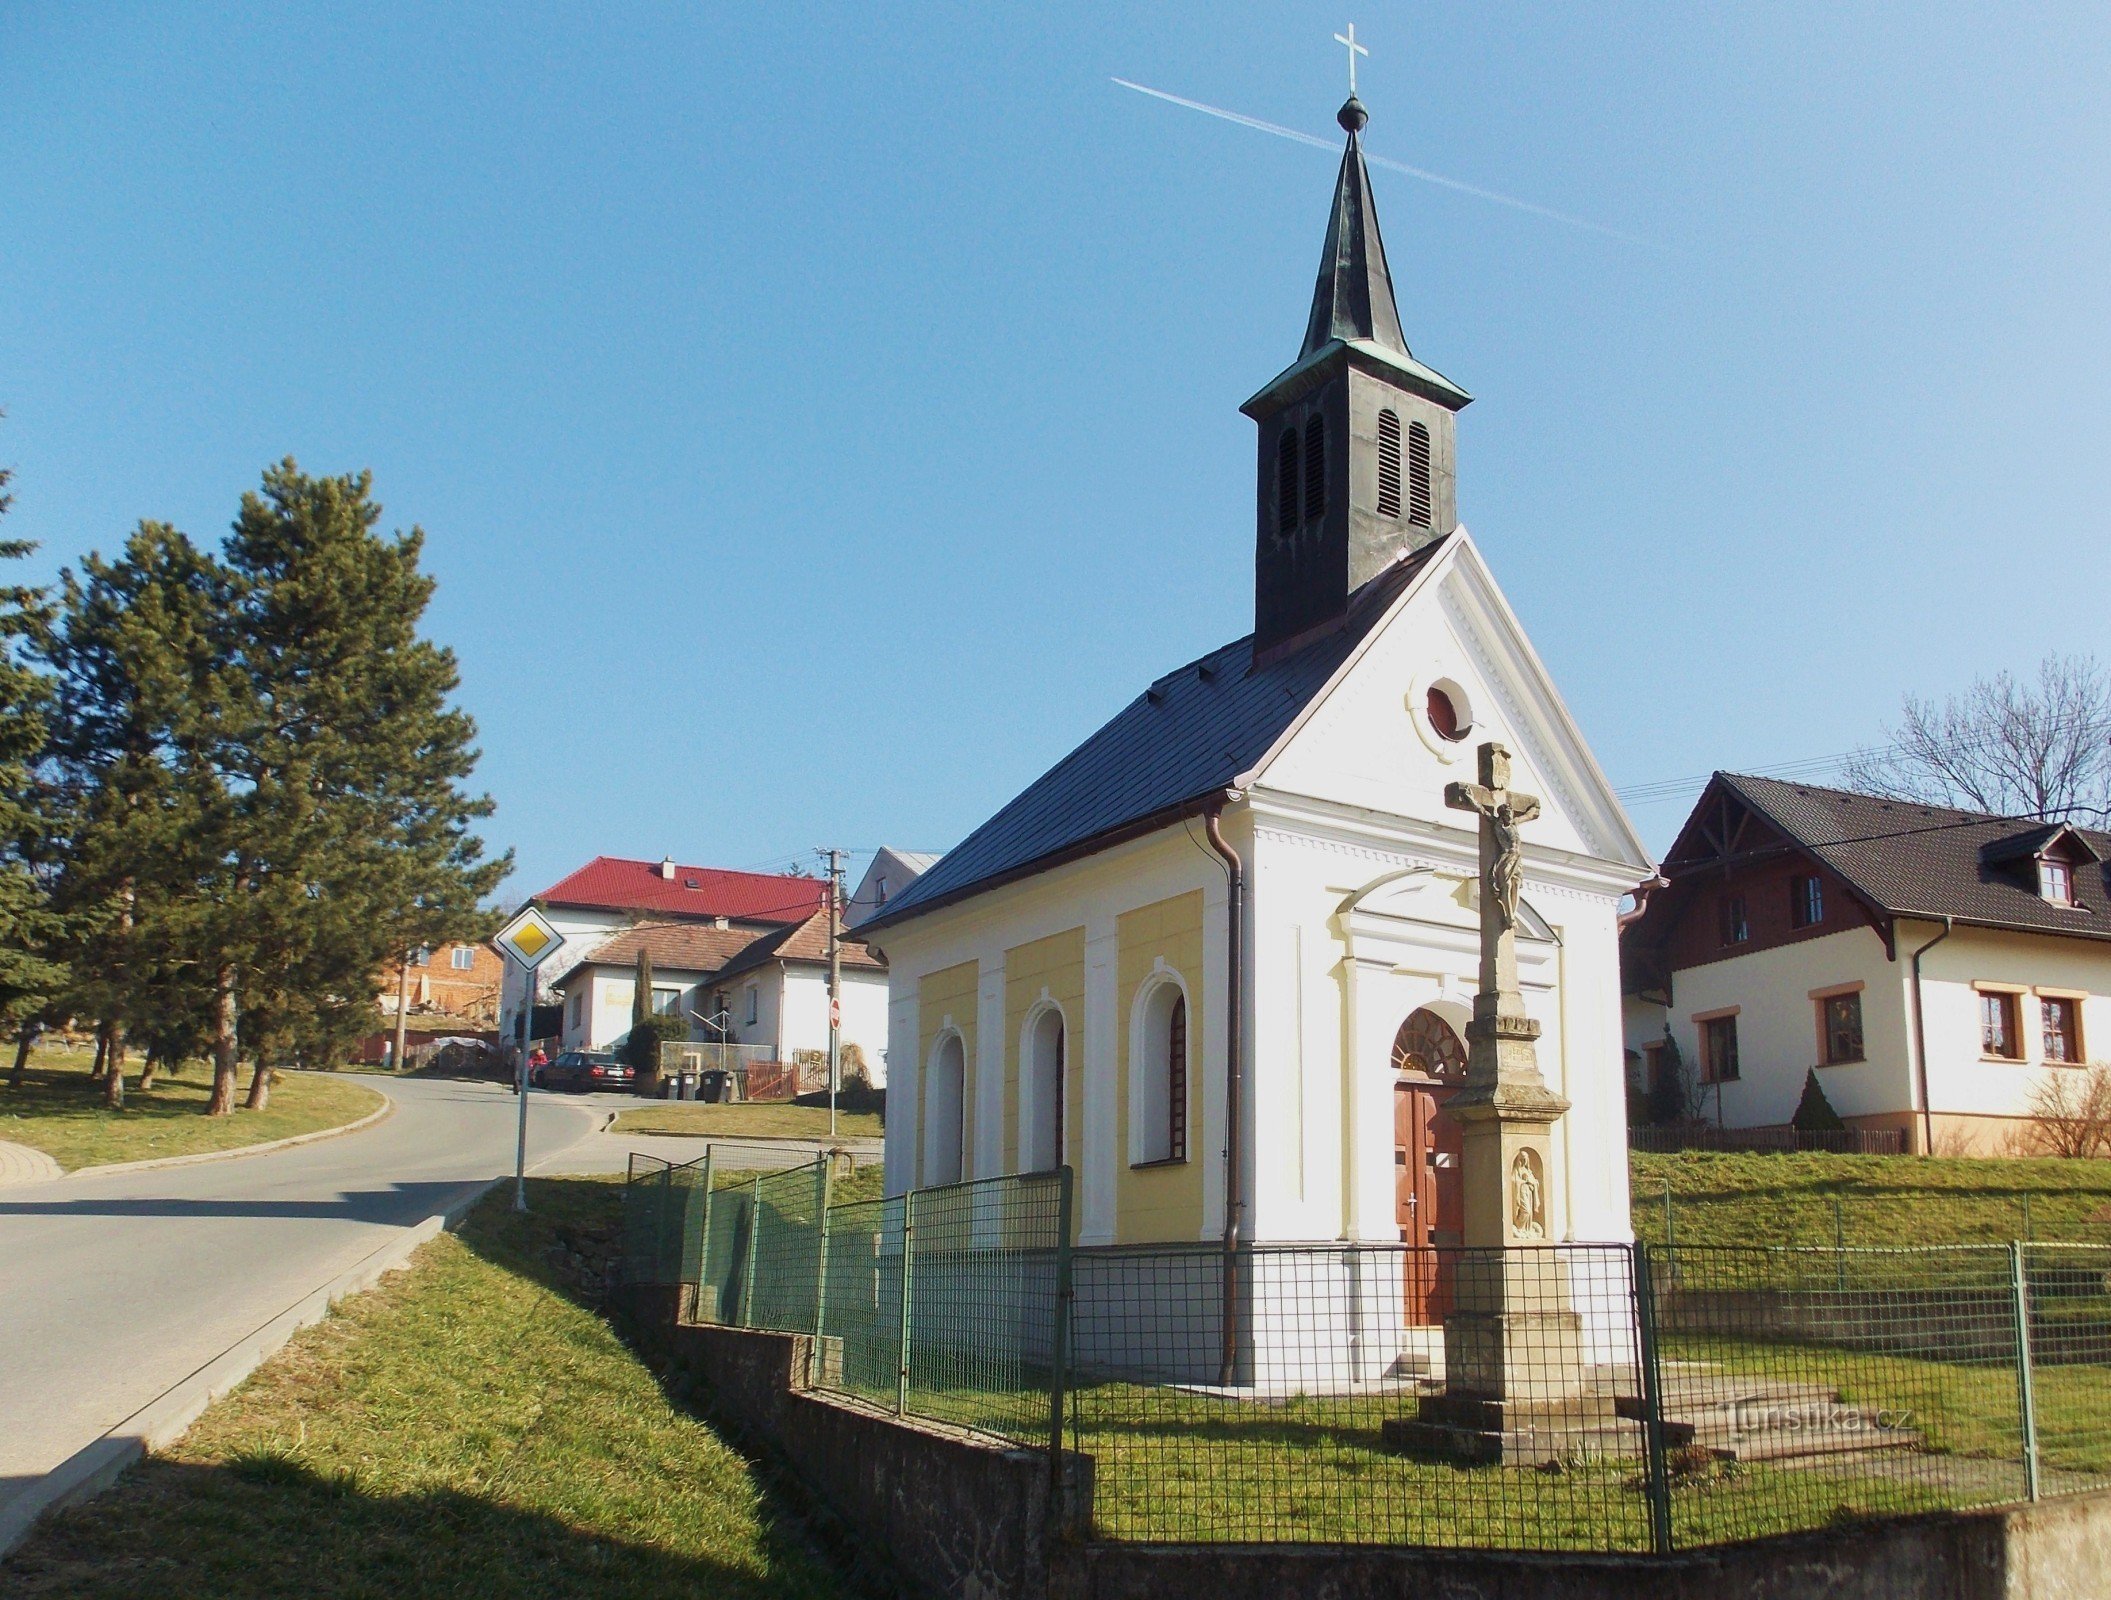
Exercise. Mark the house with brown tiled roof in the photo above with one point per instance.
(1934, 970)
(756, 986)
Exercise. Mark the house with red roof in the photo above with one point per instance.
(613, 893)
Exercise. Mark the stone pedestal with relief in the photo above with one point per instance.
(1518, 1388)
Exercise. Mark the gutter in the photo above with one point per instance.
(1920, 1041)
(1234, 1076)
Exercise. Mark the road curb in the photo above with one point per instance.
(788, 1139)
(388, 1105)
(165, 1419)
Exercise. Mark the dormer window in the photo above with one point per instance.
(2056, 881)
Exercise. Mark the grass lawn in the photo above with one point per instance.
(469, 1428)
(749, 1121)
(1742, 1199)
(61, 1113)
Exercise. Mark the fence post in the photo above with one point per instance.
(703, 1247)
(1839, 1246)
(1659, 1480)
(747, 1278)
(659, 1233)
(1671, 1260)
(824, 1169)
(901, 1370)
(2026, 1400)
(1059, 1345)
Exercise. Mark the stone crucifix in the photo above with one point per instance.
(1503, 812)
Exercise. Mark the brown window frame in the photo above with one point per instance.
(2073, 1053)
(2047, 866)
(1806, 900)
(1713, 1031)
(1733, 919)
(1830, 1052)
(2006, 1003)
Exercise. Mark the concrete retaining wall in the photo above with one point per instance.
(2060, 1550)
(955, 1513)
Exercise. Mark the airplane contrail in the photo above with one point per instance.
(1387, 162)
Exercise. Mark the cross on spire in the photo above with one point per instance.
(1355, 50)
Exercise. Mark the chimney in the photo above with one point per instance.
(667, 869)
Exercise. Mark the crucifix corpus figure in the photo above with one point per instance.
(1503, 812)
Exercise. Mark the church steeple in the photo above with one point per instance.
(1354, 296)
(1358, 439)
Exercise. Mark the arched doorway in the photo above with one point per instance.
(1429, 1066)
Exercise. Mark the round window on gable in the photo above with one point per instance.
(1449, 715)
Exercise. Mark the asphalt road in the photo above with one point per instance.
(114, 1288)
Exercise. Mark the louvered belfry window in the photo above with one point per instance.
(1286, 483)
(1418, 497)
(1315, 470)
(1389, 463)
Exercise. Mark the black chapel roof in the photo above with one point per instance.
(1926, 861)
(1190, 735)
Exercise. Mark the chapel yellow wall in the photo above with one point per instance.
(1160, 1202)
(951, 992)
(1056, 965)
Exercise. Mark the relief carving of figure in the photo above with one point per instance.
(1528, 1214)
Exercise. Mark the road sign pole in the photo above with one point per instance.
(528, 939)
(520, 1081)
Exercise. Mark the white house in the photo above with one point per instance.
(889, 873)
(597, 992)
(775, 993)
(1247, 888)
(611, 893)
(1934, 969)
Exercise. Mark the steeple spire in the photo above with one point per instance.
(1359, 440)
(1354, 296)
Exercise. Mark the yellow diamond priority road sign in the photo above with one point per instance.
(528, 938)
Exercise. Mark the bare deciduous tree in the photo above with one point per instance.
(2011, 747)
(2070, 1115)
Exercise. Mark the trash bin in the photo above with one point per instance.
(712, 1087)
(688, 1085)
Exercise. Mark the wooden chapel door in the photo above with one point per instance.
(1427, 1198)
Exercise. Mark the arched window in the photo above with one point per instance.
(1315, 470)
(1418, 497)
(1389, 463)
(944, 1107)
(1427, 1047)
(1042, 1082)
(1286, 483)
(1160, 1104)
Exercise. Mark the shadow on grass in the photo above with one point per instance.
(571, 1243)
(268, 1525)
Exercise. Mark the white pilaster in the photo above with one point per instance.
(1101, 1089)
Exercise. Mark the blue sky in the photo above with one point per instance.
(821, 417)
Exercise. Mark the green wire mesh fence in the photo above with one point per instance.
(944, 1303)
(1657, 1398)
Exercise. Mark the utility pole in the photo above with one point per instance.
(835, 981)
(395, 1060)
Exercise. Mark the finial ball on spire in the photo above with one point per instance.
(1352, 116)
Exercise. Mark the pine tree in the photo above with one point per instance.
(352, 838)
(641, 990)
(29, 975)
(133, 656)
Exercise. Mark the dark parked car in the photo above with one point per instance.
(577, 1071)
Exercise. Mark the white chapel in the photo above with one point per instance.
(1219, 959)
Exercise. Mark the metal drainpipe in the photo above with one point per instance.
(1920, 1043)
(1234, 1078)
